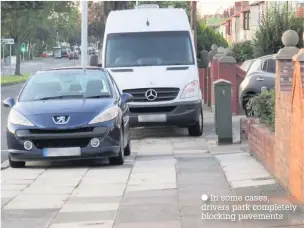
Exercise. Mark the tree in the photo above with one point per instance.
(242, 51)
(96, 20)
(165, 4)
(207, 36)
(273, 25)
(20, 20)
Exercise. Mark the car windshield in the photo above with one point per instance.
(149, 49)
(66, 84)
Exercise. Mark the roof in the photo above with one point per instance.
(256, 3)
(147, 19)
(246, 9)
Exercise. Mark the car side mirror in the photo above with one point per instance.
(126, 97)
(9, 102)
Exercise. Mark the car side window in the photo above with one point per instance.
(269, 65)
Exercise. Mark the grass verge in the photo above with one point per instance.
(14, 79)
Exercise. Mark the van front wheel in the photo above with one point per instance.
(197, 128)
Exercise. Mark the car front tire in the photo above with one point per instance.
(197, 128)
(119, 160)
(127, 149)
(16, 164)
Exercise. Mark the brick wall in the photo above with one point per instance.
(282, 152)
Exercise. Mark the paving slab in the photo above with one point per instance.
(167, 224)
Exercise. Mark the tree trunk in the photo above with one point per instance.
(17, 46)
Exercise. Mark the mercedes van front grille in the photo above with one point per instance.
(153, 94)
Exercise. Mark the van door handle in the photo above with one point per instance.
(260, 79)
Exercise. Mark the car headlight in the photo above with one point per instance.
(18, 119)
(108, 114)
(191, 90)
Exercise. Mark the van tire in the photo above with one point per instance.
(197, 128)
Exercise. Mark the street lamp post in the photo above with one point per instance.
(84, 33)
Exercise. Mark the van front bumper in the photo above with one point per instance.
(179, 114)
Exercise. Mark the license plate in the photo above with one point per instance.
(61, 152)
(152, 118)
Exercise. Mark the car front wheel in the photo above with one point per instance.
(127, 149)
(119, 160)
(16, 164)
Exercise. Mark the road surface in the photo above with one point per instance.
(29, 67)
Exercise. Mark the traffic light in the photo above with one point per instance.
(23, 47)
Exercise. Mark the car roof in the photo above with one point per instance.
(266, 57)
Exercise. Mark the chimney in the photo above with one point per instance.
(244, 4)
(237, 7)
(226, 13)
(231, 11)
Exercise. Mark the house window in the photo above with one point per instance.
(246, 19)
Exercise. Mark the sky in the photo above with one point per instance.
(207, 7)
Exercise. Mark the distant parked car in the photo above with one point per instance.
(47, 54)
(261, 73)
(73, 55)
(65, 52)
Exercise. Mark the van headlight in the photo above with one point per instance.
(17, 118)
(108, 114)
(191, 90)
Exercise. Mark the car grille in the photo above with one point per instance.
(60, 143)
(152, 109)
(61, 131)
(163, 94)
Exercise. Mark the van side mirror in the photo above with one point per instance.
(9, 102)
(126, 97)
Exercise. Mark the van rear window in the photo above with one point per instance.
(149, 49)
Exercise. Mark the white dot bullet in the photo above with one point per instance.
(204, 197)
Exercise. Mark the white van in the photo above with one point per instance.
(150, 53)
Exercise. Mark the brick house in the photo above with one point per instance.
(245, 18)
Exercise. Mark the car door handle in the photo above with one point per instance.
(260, 79)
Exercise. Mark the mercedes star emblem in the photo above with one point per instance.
(151, 94)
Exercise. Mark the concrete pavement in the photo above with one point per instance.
(160, 185)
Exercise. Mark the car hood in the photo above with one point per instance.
(80, 111)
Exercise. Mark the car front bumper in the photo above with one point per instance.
(179, 114)
(109, 146)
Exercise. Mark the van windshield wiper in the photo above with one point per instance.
(97, 96)
(57, 97)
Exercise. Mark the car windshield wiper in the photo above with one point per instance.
(98, 96)
(58, 97)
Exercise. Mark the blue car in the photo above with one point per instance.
(67, 114)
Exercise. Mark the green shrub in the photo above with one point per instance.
(242, 51)
(263, 107)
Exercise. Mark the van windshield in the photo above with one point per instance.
(149, 49)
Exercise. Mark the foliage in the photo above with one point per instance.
(38, 22)
(164, 4)
(207, 36)
(263, 107)
(273, 25)
(242, 51)
(8, 80)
